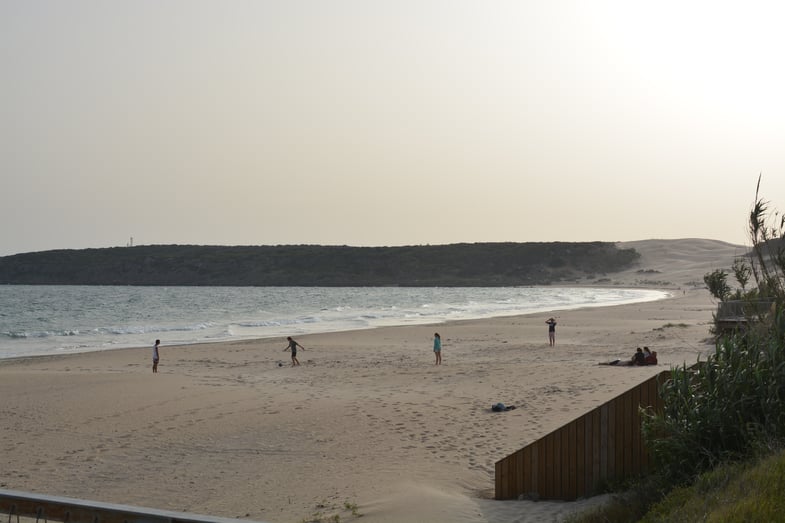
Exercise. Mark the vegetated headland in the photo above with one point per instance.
(463, 264)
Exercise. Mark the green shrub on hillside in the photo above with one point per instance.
(464, 264)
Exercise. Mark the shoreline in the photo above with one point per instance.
(367, 419)
(401, 322)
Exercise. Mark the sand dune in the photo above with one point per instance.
(367, 424)
(677, 263)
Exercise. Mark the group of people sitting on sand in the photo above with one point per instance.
(641, 357)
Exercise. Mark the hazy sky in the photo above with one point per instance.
(386, 123)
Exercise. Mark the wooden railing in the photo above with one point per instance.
(736, 314)
(15, 505)
(572, 461)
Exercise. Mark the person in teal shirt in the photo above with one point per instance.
(437, 348)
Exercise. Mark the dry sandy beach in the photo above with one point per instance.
(366, 421)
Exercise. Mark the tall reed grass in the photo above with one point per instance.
(724, 409)
(732, 405)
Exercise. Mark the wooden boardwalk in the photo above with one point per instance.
(735, 315)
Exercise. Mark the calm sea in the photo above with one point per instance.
(42, 320)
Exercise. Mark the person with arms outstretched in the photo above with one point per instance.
(293, 347)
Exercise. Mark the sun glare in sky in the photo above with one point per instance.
(386, 123)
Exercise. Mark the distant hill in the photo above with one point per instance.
(465, 264)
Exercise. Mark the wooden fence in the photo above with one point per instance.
(43, 508)
(572, 461)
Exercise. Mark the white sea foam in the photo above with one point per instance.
(57, 319)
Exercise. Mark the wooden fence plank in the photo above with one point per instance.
(535, 477)
(567, 451)
(628, 432)
(578, 484)
(542, 471)
(613, 454)
(605, 443)
(595, 466)
(554, 451)
(635, 426)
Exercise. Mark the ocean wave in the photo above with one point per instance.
(267, 323)
(151, 329)
(39, 334)
(57, 322)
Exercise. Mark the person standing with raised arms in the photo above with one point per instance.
(551, 331)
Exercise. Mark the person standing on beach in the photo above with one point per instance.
(293, 347)
(551, 331)
(437, 348)
(155, 355)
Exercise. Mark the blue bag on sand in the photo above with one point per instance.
(499, 407)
